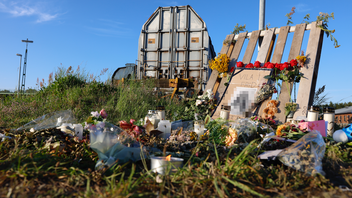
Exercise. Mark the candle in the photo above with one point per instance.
(329, 116)
(199, 127)
(161, 112)
(78, 130)
(160, 165)
(313, 113)
(225, 112)
(165, 127)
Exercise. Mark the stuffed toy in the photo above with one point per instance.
(270, 109)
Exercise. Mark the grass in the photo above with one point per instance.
(29, 169)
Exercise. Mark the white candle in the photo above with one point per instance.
(165, 127)
(225, 112)
(160, 164)
(78, 130)
(161, 112)
(313, 114)
(199, 127)
(329, 116)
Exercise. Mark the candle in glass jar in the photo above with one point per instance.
(165, 127)
(329, 116)
(161, 112)
(199, 127)
(313, 114)
(225, 112)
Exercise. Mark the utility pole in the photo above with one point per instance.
(261, 19)
(19, 75)
(24, 66)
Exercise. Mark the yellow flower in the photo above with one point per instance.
(220, 63)
(279, 129)
(231, 138)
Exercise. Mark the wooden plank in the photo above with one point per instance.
(214, 74)
(266, 43)
(307, 85)
(251, 47)
(237, 49)
(280, 44)
(277, 31)
(233, 59)
(277, 56)
(286, 88)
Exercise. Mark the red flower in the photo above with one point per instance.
(293, 62)
(256, 64)
(266, 64)
(240, 64)
(270, 65)
(249, 65)
(232, 69)
(277, 65)
(285, 65)
(125, 125)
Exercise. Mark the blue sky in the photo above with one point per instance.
(104, 34)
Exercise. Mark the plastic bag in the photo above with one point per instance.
(187, 125)
(306, 154)
(245, 126)
(109, 142)
(50, 120)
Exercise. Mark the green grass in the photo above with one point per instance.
(28, 169)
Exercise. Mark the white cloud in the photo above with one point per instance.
(302, 8)
(17, 10)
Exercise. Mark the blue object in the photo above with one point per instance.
(348, 131)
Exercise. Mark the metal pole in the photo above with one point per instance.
(24, 66)
(261, 20)
(19, 74)
(261, 14)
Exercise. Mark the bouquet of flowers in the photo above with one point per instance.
(108, 142)
(265, 92)
(220, 63)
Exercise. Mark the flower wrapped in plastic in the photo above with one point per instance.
(245, 127)
(265, 92)
(109, 142)
(306, 154)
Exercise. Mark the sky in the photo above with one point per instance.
(104, 34)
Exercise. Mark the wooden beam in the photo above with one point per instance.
(307, 85)
(214, 74)
(233, 59)
(277, 56)
(286, 87)
(265, 47)
(251, 47)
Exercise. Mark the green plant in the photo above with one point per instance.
(290, 107)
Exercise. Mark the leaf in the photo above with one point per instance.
(155, 133)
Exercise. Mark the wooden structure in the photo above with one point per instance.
(268, 38)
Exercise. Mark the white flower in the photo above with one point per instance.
(198, 102)
(95, 114)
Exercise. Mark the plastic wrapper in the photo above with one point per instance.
(187, 125)
(109, 143)
(245, 126)
(306, 154)
(50, 120)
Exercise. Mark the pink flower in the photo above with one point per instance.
(132, 121)
(137, 130)
(103, 113)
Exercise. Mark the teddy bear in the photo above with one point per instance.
(270, 110)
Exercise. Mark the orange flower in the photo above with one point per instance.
(279, 129)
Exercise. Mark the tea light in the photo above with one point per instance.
(160, 164)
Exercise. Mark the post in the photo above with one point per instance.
(19, 74)
(25, 65)
(261, 20)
